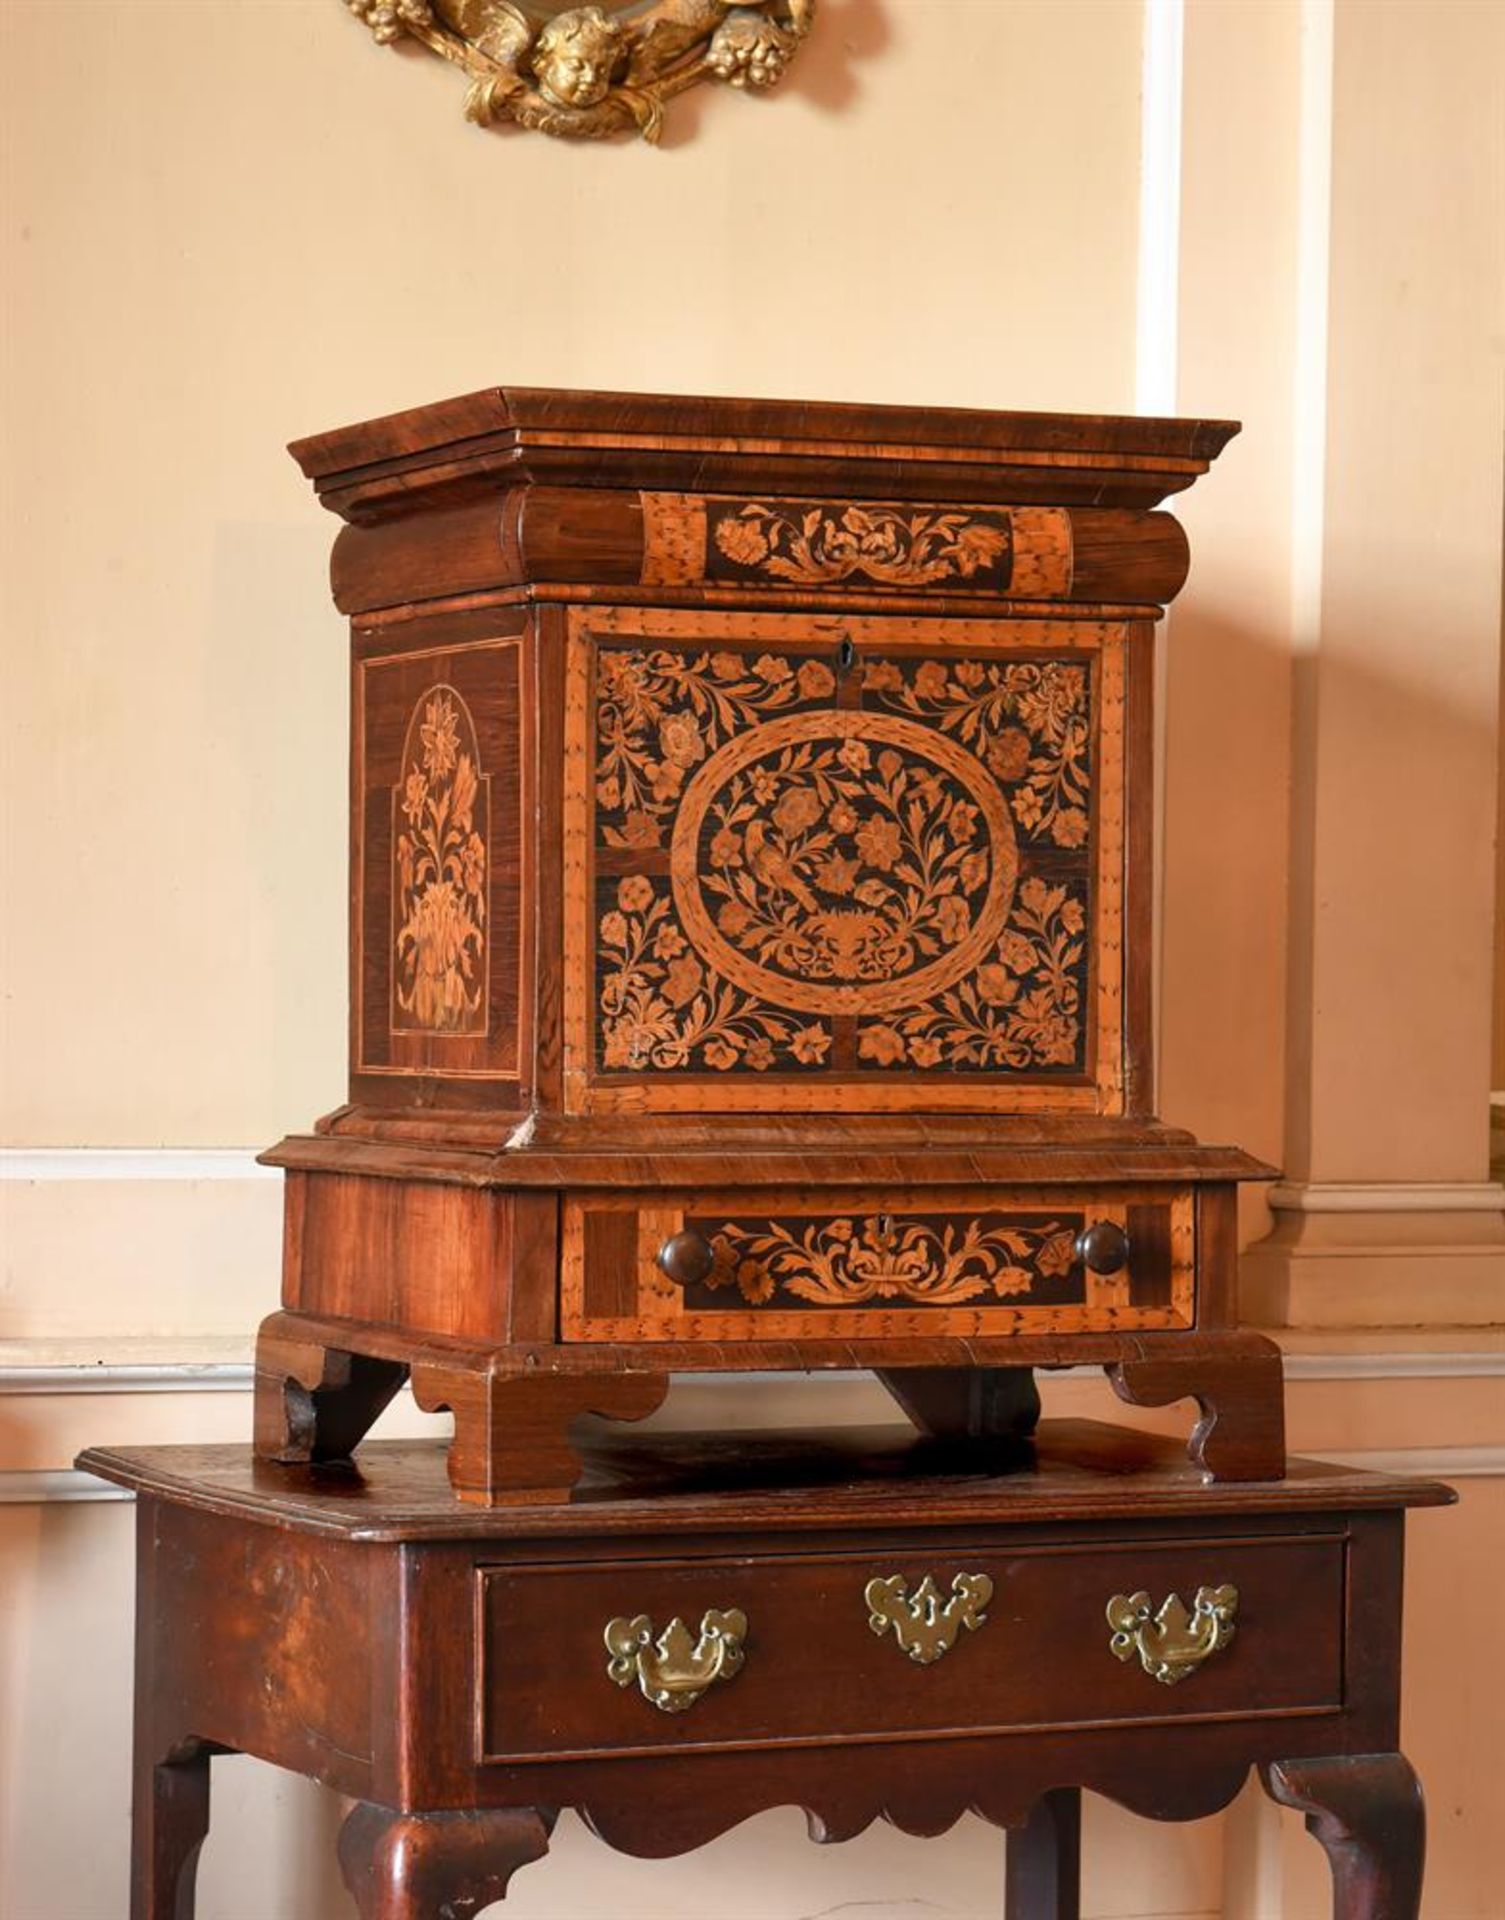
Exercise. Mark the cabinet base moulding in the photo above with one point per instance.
(322, 1384)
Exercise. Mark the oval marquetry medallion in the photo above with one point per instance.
(843, 862)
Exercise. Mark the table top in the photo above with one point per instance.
(749, 1481)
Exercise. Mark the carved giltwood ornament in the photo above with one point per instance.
(587, 73)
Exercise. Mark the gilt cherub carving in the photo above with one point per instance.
(586, 72)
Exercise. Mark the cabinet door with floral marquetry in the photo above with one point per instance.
(851, 863)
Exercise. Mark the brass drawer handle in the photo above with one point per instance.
(674, 1670)
(1174, 1643)
(924, 1625)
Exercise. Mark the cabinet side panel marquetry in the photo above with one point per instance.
(443, 778)
(433, 1258)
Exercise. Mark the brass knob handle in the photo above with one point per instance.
(676, 1668)
(1103, 1247)
(1173, 1641)
(686, 1257)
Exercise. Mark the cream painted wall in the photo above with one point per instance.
(260, 225)
(226, 225)
(1408, 668)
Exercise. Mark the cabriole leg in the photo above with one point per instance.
(1366, 1811)
(437, 1866)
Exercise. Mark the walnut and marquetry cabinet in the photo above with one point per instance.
(751, 821)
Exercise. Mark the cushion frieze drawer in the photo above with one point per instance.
(641, 1656)
(876, 1263)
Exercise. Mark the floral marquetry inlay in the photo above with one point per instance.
(660, 712)
(842, 862)
(1027, 721)
(927, 1261)
(439, 882)
(809, 862)
(892, 547)
(728, 540)
(1021, 1009)
(662, 1007)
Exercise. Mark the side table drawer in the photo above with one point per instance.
(577, 1661)
(876, 1263)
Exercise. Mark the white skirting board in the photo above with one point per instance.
(189, 1376)
(55, 1486)
(172, 1376)
(35, 1164)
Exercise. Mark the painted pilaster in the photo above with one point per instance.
(1387, 1215)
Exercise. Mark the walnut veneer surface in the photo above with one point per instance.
(1100, 1618)
(751, 825)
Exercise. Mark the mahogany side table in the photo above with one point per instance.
(846, 1621)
